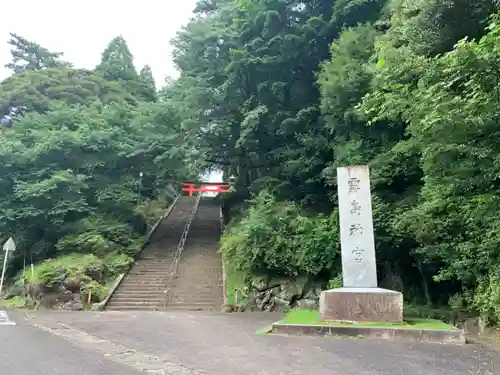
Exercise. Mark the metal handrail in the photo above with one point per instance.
(178, 251)
(224, 280)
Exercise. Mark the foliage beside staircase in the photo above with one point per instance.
(90, 159)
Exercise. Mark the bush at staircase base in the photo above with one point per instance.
(67, 283)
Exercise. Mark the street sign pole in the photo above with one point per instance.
(10, 245)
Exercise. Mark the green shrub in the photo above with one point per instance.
(99, 235)
(336, 282)
(487, 296)
(117, 263)
(98, 291)
(277, 238)
(16, 302)
(53, 271)
(152, 210)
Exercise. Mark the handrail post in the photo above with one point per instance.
(223, 260)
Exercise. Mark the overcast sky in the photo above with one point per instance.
(83, 29)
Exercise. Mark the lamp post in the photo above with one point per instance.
(140, 188)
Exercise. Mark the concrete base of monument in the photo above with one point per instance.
(441, 336)
(361, 305)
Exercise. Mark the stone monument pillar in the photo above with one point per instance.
(360, 299)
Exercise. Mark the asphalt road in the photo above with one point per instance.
(27, 350)
(227, 344)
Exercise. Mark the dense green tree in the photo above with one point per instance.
(27, 55)
(70, 177)
(117, 62)
(39, 90)
(88, 164)
(147, 86)
(430, 27)
(452, 123)
(253, 65)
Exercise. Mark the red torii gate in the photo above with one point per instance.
(205, 187)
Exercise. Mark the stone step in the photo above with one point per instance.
(196, 301)
(194, 296)
(162, 273)
(213, 293)
(146, 273)
(138, 290)
(142, 287)
(153, 262)
(155, 281)
(197, 296)
(138, 300)
(144, 281)
(148, 276)
(148, 303)
(193, 307)
(158, 284)
(133, 308)
(180, 286)
(140, 294)
(154, 274)
(203, 293)
(174, 295)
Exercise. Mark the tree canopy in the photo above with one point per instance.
(88, 164)
(27, 55)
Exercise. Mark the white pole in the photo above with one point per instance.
(3, 270)
(32, 268)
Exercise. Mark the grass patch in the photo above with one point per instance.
(234, 280)
(17, 302)
(305, 316)
(54, 270)
(75, 265)
(443, 313)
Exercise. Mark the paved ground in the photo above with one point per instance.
(182, 343)
(26, 350)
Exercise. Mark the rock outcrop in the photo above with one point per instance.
(278, 294)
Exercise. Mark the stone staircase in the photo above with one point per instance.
(143, 288)
(197, 284)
